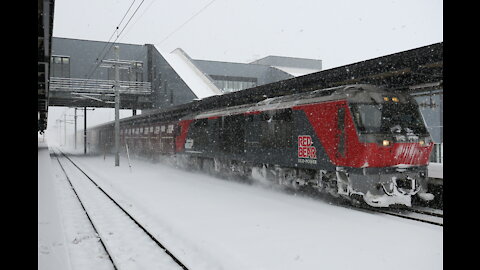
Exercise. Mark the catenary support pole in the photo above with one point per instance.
(85, 130)
(65, 128)
(75, 131)
(117, 108)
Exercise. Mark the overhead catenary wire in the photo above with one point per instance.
(116, 30)
(139, 17)
(99, 61)
(187, 21)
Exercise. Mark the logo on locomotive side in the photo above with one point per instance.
(306, 152)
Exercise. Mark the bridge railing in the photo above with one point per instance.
(93, 86)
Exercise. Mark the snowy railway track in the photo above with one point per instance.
(427, 211)
(86, 213)
(418, 214)
(421, 214)
(128, 244)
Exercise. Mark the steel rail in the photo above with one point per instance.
(388, 212)
(360, 205)
(425, 212)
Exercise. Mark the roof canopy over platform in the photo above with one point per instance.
(44, 33)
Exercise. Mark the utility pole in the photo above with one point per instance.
(75, 130)
(85, 130)
(65, 127)
(117, 108)
(75, 117)
(65, 122)
(117, 64)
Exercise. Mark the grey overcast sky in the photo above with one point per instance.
(339, 32)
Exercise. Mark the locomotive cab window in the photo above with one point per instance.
(388, 118)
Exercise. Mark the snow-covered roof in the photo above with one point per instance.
(196, 80)
(296, 71)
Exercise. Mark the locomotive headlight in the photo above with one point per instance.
(424, 141)
(386, 143)
(395, 99)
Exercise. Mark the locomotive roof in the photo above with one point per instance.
(361, 93)
(357, 93)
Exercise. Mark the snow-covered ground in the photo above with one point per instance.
(52, 252)
(209, 223)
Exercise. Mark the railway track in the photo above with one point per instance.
(425, 215)
(127, 242)
(421, 214)
(427, 211)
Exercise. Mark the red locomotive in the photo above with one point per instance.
(356, 141)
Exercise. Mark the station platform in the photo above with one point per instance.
(52, 251)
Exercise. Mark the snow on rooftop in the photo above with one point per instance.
(196, 80)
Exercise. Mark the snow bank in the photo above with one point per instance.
(52, 252)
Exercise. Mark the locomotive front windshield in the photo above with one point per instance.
(388, 118)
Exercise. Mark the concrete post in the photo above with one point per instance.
(117, 108)
(75, 131)
(85, 130)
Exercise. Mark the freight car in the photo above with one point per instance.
(360, 142)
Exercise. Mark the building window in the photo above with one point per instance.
(60, 66)
(232, 84)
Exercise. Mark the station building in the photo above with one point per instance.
(74, 58)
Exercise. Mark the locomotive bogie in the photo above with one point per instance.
(383, 187)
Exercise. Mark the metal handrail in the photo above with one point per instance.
(98, 86)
